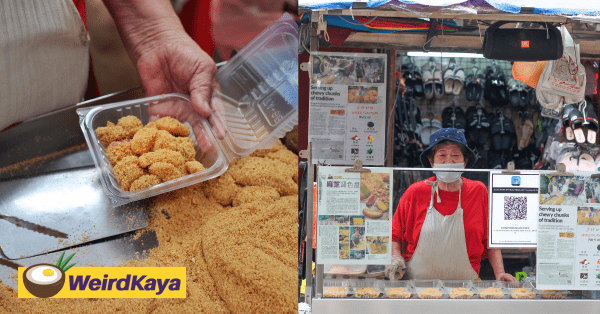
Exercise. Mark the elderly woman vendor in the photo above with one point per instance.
(440, 228)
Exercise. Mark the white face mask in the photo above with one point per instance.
(446, 176)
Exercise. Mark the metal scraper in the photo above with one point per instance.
(47, 178)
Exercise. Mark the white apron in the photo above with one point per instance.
(44, 58)
(441, 252)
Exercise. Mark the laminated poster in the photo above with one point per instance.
(514, 209)
(354, 222)
(568, 250)
(347, 108)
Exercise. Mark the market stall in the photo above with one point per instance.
(505, 117)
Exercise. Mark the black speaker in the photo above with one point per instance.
(520, 44)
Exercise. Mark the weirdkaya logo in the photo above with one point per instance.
(47, 281)
(141, 283)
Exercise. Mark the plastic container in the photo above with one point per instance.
(258, 93)
(389, 293)
(482, 285)
(366, 288)
(551, 294)
(332, 288)
(422, 284)
(517, 289)
(456, 284)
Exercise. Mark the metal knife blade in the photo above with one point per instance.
(34, 227)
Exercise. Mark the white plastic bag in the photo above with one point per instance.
(562, 78)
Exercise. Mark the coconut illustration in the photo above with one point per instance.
(44, 280)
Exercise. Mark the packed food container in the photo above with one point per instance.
(258, 93)
(519, 290)
(463, 289)
(551, 294)
(366, 288)
(489, 289)
(336, 288)
(395, 289)
(429, 289)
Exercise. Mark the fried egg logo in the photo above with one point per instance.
(44, 280)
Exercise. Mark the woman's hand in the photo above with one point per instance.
(505, 277)
(169, 61)
(395, 267)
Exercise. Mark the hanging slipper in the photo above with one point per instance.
(484, 131)
(591, 120)
(508, 135)
(459, 79)
(418, 84)
(487, 75)
(479, 88)
(513, 94)
(496, 129)
(575, 122)
(524, 95)
(526, 132)
(438, 86)
(448, 81)
(500, 86)
(470, 83)
(427, 82)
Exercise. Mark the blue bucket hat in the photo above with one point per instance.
(447, 134)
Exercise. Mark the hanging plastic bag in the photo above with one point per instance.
(528, 72)
(562, 80)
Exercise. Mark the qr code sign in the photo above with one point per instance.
(515, 208)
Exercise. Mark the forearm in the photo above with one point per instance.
(396, 248)
(143, 23)
(495, 257)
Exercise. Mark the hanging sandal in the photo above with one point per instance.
(569, 136)
(576, 123)
(438, 86)
(459, 79)
(591, 120)
(428, 82)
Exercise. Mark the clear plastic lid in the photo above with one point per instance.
(258, 95)
(392, 291)
(336, 288)
(485, 285)
(366, 288)
(456, 289)
(259, 90)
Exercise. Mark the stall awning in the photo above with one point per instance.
(548, 7)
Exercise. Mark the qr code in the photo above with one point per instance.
(515, 208)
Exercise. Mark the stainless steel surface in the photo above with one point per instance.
(112, 252)
(418, 306)
(70, 201)
(49, 133)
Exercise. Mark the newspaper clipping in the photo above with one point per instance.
(347, 108)
(354, 224)
(568, 248)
